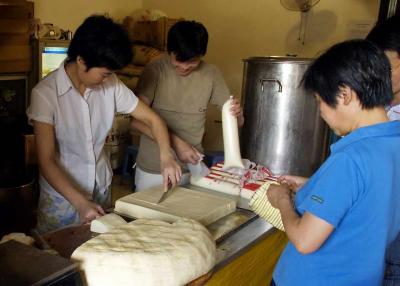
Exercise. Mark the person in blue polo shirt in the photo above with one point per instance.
(344, 216)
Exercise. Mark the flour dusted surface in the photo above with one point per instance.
(148, 252)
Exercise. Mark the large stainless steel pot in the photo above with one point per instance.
(283, 129)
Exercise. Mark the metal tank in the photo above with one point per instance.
(283, 130)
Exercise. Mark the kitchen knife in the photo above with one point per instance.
(164, 194)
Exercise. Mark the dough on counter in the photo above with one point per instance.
(106, 223)
(18, 236)
(146, 253)
(180, 203)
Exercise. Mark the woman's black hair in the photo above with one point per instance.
(101, 43)
(358, 64)
(386, 35)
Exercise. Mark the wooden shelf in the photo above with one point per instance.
(15, 49)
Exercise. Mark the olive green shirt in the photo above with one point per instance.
(181, 101)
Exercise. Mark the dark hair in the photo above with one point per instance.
(101, 43)
(187, 40)
(386, 35)
(358, 64)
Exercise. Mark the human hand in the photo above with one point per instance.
(278, 193)
(237, 111)
(89, 211)
(292, 182)
(171, 171)
(187, 153)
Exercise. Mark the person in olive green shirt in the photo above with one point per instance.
(179, 86)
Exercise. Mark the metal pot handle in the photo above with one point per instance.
(270, 80)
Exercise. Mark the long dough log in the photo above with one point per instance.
(232, 157)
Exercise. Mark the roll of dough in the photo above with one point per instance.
(232, 157)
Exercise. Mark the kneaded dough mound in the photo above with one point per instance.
(18, 236)
(148, 252)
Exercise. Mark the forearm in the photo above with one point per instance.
(54, 175)
(176, 141)
(160, 134)
(291, 220)
(142, 128)
(145, 129)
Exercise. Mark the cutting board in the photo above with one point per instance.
(180, 203)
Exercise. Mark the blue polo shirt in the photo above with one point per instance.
(357, 191)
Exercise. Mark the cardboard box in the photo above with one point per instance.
(152, 33)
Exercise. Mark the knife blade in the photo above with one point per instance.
(164, 194)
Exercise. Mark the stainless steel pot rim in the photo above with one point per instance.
(277, 59)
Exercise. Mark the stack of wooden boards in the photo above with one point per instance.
(15, 49)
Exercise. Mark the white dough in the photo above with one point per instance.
(232, 157)
(216, 185)
(18, 236)
(148, 252)
(106, 223)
